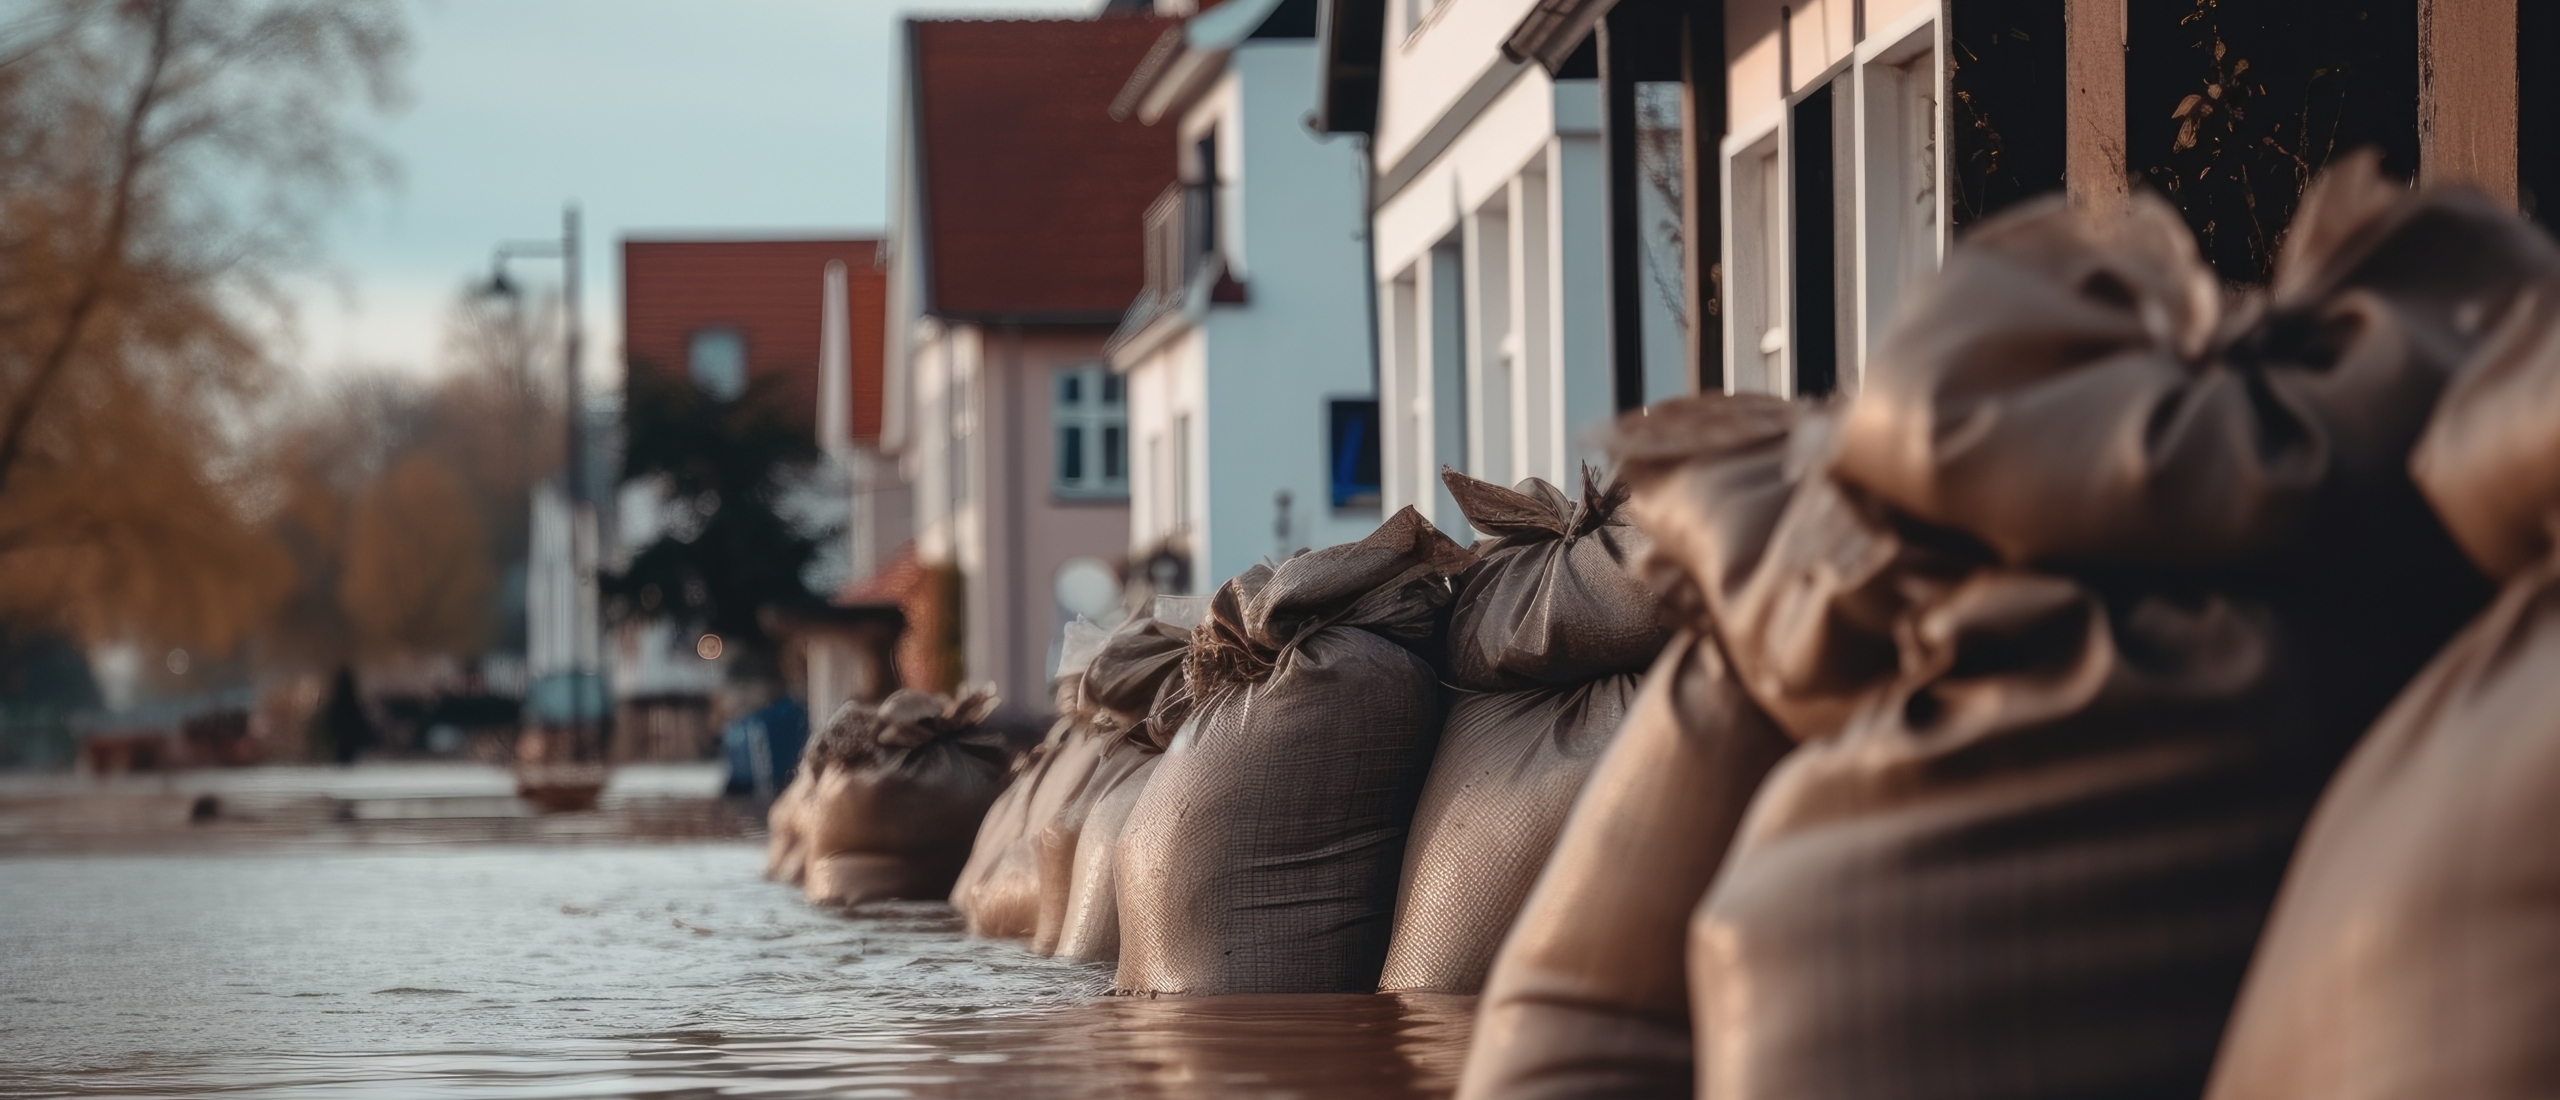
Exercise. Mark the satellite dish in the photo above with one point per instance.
(1088, 587)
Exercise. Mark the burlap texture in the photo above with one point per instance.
(1262, 856)
(1550, 628)
(1089, 916)
(1139, 664)
(2172, 567)
(1550, 601)
(1587, 997)
(2412, 950)
(896, 792)
(1006, 902)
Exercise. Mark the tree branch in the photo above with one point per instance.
(131, 159)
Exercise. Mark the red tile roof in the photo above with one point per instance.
(1031, 195)
(773, 292)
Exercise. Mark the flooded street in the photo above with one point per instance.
(335, 961)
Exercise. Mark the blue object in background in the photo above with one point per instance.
(763, 747)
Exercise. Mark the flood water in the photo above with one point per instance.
(333, 964)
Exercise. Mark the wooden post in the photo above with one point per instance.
(2094, 172)
(2467, 94)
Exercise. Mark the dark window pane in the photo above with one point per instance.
(1110, 388)
(1070, 455)
(1070, 389)
(1354, 424)
(1112, 461)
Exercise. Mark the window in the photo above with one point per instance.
(716, 360)
(1089, 423)
(1354, 449)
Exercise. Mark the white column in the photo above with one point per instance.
(1487, 253)
(1537, 404)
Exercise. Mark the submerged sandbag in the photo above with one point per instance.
(1139, 663)
(896, 792)
(1004, 902)
(1547, 633)
(2179, 566)
(998, 891)
(1262, 857)
(786, 850)
(1089, 909)
(2413, 952)
(1587, 998)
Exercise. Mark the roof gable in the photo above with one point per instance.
(1032, 196)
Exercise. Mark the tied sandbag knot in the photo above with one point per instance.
(882, 735)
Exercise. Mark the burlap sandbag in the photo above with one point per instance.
(786, 849)
(1547, 635)
(896, 792)
(1262, 857)
(1121, 684)
(1005, 902)
(1587, 998)
(1089, 916)
(2415, 950)
(998, 892)
(2193, 569)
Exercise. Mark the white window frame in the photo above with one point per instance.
(1092, 417)
(1759, 263)
(1897, 240)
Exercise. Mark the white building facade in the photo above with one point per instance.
(1247, 360)
(1491, 262)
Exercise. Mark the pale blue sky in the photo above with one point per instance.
(758, 117)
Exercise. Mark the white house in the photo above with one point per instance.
(1248, 355)
(1491, 261)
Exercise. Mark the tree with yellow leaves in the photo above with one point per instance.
(159, 160)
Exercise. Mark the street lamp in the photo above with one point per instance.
(584, 633)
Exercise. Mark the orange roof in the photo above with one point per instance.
(1031, 196)
(772, 292)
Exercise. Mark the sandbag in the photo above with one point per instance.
(1005, 902)
(786, 850)
(1003, 823)
(998, 891)
(1587, 997)
(896, 792)
(1547, 633)
(1139, 663)
(2176, 566)
(1262, 856)
(2413, 950)
(1089, 913)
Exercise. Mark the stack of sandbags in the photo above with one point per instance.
(1587, 997)
(998, 891)
(1262, 856)
(2177, 566)
(895, 793)
(2413, 951)
(1548, 634)
(1135, 687)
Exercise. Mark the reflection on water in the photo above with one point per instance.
(610, 970)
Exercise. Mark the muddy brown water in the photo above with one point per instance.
(319, 966)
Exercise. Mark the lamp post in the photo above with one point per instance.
(584, 634)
